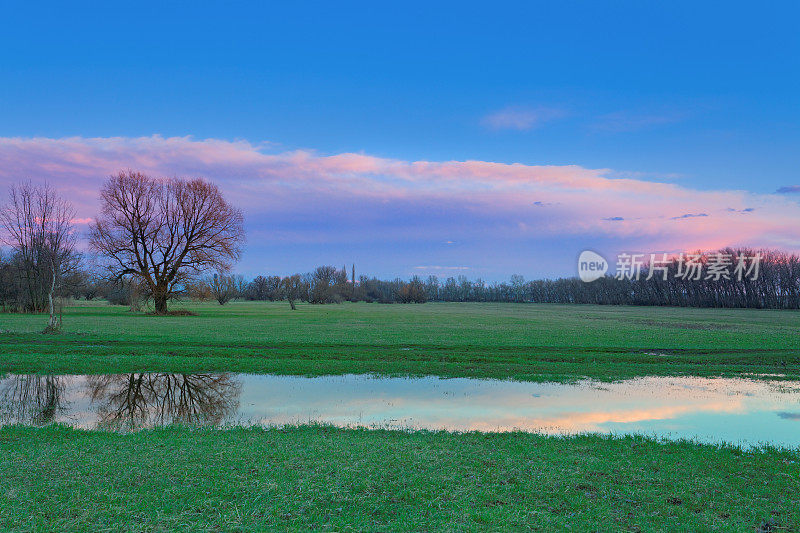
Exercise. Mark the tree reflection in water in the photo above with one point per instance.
(32, 399)
(142, 400)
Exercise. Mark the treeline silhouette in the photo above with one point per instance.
(774, 285)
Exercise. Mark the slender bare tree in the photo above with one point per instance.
(292, 288)
(222, 287)
(165, 232)
(38, 226)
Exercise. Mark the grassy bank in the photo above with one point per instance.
(522, 341)
(333, 479)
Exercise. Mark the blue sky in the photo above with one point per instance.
(700, 95)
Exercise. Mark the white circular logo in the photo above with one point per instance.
(591, 266)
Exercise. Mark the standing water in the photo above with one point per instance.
(738, 411)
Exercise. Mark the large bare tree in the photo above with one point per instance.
(38, 226)
(165, 232)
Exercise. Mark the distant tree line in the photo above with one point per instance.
(774, 285)
(777, 286)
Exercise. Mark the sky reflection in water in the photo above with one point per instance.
(738, 411)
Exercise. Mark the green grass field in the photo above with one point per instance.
(520, 341)
(329, 479)
(313, 477)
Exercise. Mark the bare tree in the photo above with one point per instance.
(241, 285)
(9, 290)
(293, 287)
(198, 290)
(324, 283)
(223, 288)
(411, 292)
(165, 232)
(38, 226)
(264, 288)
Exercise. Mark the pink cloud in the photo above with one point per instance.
(327, 196)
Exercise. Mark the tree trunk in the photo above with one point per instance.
(161, 303)
(53, 324)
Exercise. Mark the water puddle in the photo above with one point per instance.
(739, 411)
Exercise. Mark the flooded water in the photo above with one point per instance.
(738, 411)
